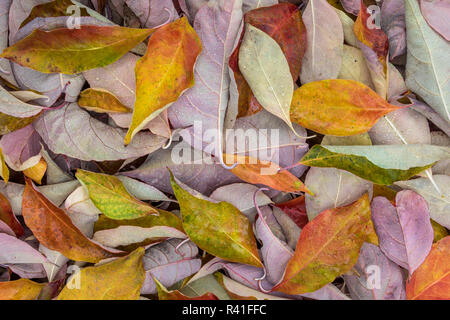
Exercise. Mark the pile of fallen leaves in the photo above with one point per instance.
(119, 181)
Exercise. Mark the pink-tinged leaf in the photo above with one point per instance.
(153, 13)
(286, 150)
(246, 275)
(436, 13)
(21, 148)
(73, 132)
(275, 253)
(404, 231)
(217, 25)
(431, 115)
(169, 264)
(325, 39)
(14, 251)
(376, 277)
(351, 6)
(393, 24)
(4, 228)
(191, 7)
(203, 177)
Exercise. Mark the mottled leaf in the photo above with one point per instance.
(218, 228)
(111, 197)
(71, 51)
(382, 164)
(328, 246)
(338, 107)
(431, 279)
(120, 279)
(54, 229)
(169, 60)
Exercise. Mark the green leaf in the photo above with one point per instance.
(218, 228)
(111, 197)
(383, 164)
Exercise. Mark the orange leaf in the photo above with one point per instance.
(431, 281)
(54, 229)
(338, 107)
(268, 173)
(8, 217)
(373, 37)
(328, 247)
(22, 289)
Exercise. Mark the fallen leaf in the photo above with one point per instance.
(120, 279)
(8, 217)
(61, 50)
(111, 197)
(169, 262)
(267, 173)
(22, 289)
(100, 100)
(218, 228)
(164, 294)
(438, 203)
(430, 281)
(54, 229)
(376, 277)
(383, 164)
(328, 246)
(73, 132)
(427, 53)
(170, 58)
(338, 107)
(36, 172)
(217, 25)
(325, 39)
(434, 13)
(404, 231)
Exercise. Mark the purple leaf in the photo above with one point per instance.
(286, 150)
(404, 231)
(436, 13)
(393, 24)
(217, 25)
(20, 257)
(73, 132)
(275, 253)
(168, 265)
(202, 177)
(351, 6)
(153, 13)
(21, 148)
(379, 278)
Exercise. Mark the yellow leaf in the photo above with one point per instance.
(120, 279)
